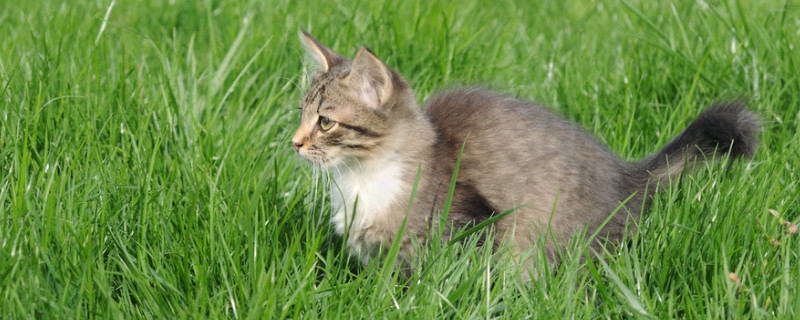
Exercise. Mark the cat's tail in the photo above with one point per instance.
(722, 129)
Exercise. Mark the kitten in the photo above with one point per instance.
(361, 122)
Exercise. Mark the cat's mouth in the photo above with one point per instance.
(317, 157)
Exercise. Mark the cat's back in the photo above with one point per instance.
(504, 122)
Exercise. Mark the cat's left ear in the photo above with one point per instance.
(373, 78)
(324, 57)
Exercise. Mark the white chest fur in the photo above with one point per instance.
(372, 190)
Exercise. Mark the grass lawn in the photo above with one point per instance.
(146, 169)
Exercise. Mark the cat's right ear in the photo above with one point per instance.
(324, 57)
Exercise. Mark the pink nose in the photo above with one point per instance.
(297, 145)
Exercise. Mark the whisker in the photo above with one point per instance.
(324, 174)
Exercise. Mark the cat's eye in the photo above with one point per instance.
(326, 124)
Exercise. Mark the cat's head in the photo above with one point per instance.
(352, 108)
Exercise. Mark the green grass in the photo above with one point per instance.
(145, 167)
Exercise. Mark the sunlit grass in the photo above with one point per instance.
(146, 172)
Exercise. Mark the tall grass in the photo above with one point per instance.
(145, 167)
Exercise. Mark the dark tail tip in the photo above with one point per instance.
(725, 128)
(728, 128)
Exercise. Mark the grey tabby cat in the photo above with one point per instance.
(360, 120)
